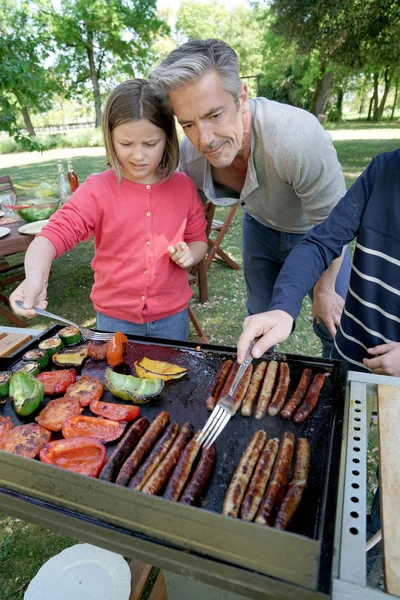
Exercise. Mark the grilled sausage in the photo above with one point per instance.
(182, 470)
(297, 397)
(278, 482)
(253, 389)
(266, 389)
(144, 447)
(229, 380)
(242, 475)
(241, 389)
(155, 457)
(297, 486)
(311, 400)
(159, 478)
(124, 447)
(281, 391)
(217, 384)
(259, 481)
(194, 489)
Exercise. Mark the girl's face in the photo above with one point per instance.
(139, 146)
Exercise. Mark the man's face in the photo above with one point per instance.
(210, 118)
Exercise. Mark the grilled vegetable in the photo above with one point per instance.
(5, 377)
(32, 368)
(25, 440)
(116, 350)
(38, 356)
(56, 412)
(51, 346)
(56, 382)
(82, 455)
(71, 358)
(5, 425)
(157, 369)
(131, 388)
(26, 393)
(85, 390)
(70, 335)
(115, 412)
(97, 351)
(96, 427)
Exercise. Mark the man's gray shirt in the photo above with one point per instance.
(293, 177)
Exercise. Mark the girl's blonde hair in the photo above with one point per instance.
(133, 100)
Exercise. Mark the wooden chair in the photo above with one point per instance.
(145, 578)
(202, 336)
(6, 185)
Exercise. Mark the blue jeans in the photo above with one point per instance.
(264, 252)
(175, 327)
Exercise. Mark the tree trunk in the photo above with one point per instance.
(375, 97)
(370, 108)
(362, 105)
(395, 99)
(27, 121)
(321, 94)
(388, 82)
(339, 102)
(94, 79)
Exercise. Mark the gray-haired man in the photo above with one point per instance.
(275, 159)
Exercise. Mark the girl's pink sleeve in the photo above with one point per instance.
(196, 223)
(76, 221)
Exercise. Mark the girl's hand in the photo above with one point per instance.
(386, 361)
(181, 255)
(32, 292)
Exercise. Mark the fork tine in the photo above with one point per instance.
(214, 425)
(209, 423)
(216, 431)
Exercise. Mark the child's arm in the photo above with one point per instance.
(33, 290)
(187, 255)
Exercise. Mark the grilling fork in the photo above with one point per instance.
(87, 334)
(223, 411)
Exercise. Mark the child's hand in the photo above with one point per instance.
(32, 292)
(181, 255)
(386, 361)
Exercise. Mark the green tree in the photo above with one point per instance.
(102, 40)
(27, 85)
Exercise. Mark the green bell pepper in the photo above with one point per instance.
(26, 393)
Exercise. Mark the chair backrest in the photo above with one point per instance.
(6, 184)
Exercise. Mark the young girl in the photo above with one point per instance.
(147, 221)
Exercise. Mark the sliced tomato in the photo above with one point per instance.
(83, 455)
(116, 412)
(97, 351)
(57, 411)
(117, 348)
(97, 427)
(5, 425)
(55, 383)
(85, 390)
(25, 440)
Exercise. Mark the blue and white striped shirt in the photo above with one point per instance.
(370, 212)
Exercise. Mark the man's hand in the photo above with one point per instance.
(271, 327)
(32, 292)
(386, 361)
(181, 255)
(328, 307)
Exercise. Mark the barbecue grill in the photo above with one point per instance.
(249, 559)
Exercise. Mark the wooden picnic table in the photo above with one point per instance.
(12, 243)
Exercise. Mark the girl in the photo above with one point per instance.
(147, 221)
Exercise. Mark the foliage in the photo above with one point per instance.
(26, 84)
(99, 41)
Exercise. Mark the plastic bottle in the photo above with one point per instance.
(62, 183)
(72, 178)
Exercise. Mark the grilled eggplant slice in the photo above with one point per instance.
(71, 357)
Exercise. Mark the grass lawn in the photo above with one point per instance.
(24, 547)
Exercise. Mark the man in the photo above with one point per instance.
(275, 159)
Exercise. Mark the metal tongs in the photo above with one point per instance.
(224, 409)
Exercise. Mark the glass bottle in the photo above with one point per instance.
(62, 183)
(72, 178)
